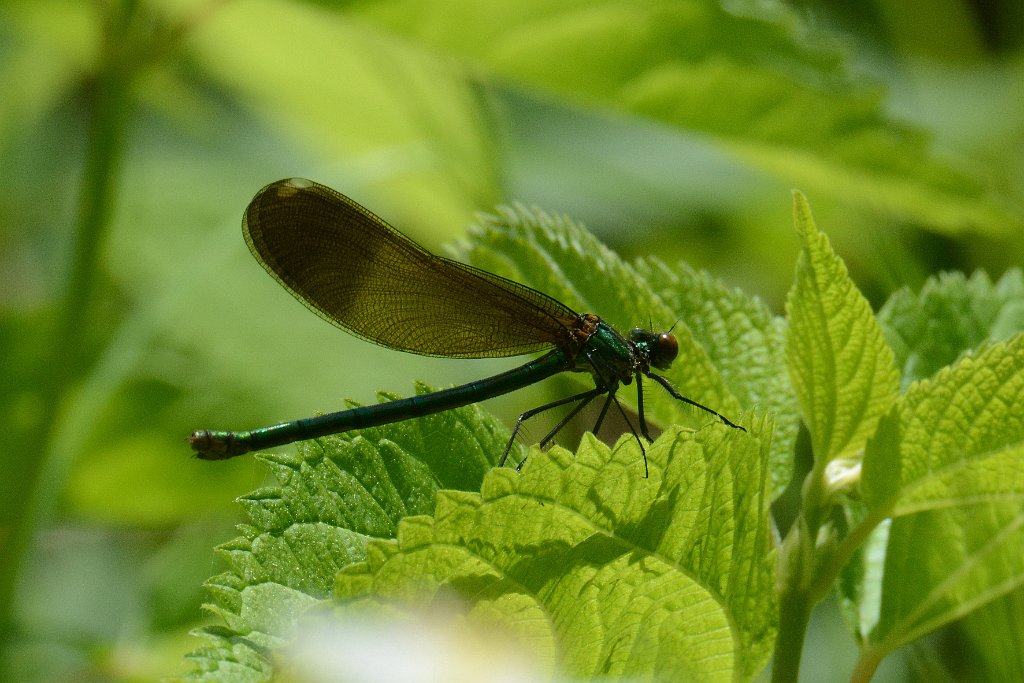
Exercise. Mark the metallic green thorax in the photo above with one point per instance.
(609, 356)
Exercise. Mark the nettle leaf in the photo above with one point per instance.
(948, 466)
(951, 314)
(842, 370)
(559, 257)
(744, 341)
(603, 571)
(335, 496)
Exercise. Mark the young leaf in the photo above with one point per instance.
(335, 496)
(668, 576)
(559, 257)
(841, 368)
(951, 314)
(948, 465)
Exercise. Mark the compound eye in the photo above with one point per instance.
(664, 350)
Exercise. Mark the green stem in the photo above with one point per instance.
(866, 665)
(45, 471)
(810, 560)
(828, 572)
(794, 614)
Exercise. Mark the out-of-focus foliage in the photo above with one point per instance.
(130, 312)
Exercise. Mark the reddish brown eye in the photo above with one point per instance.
(664, 350)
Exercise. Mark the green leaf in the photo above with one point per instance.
(691, 544)
(951, 314)
(744, 341)
(560, 258)
(619, 575)
(994, 632)
(748, 75)
(335, 496)
(841, 368)
(948, 466)
(951, 440)
(927, 331)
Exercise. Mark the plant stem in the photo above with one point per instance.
(794, 614)
(855, 539)
(866, 666)
(43, 476)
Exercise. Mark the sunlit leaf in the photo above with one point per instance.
(951, 314)
(339, 493)
(746, 344)
(610, 573)
(948, 465)
(559, 257)
(841, 367)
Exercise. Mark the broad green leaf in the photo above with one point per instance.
(560, 258)
(691, 543)
(994, 632)
(948, 465)
(335, 496)
(746, 74)
(841, 368)
(953, 439)
(744, 341)
(612, 574)
(951, 314)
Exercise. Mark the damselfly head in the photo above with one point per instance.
(661, 348)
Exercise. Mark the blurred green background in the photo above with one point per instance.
(133, 134)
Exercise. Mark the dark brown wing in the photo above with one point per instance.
(354, 270)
